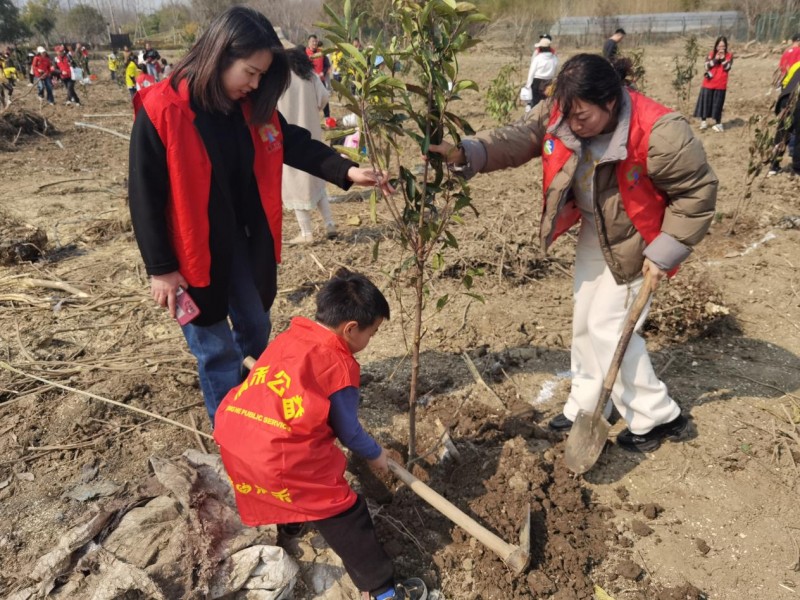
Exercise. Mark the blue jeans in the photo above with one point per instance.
(221, 347)
(46, 85)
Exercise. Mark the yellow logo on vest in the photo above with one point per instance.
(293, 408)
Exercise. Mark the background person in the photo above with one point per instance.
(638, 181)
(300, 105)
(150, 58)
(544, 64)
(611, 47)
(113, 65)
(42, 69)
(321, 65)
(788, 122)
(64, 65)
(290, 453)
(206, 156)
(131, 72)
(711, 100)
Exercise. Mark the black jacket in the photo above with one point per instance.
(234, 208)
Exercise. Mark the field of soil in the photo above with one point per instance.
(715, 516)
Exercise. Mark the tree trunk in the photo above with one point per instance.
(417, 341)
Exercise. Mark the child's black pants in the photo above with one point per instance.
(351, 535)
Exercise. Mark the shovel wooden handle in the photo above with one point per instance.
(630, 324)
(514, 556)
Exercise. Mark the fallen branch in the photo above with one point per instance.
(99, 116)
(55, 285)
(8, 367)
(60, 181)
(111, 131)
(495, 402)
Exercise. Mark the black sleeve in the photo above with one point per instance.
(303, 152)
(148, 194)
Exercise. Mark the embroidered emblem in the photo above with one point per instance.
(634, 175)
(271, 136)
(549, 146)
(268, 133)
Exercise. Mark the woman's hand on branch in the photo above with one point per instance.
(453, 155)
(164, 289)
(371, 177)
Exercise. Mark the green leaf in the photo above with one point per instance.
(475, 296)
(451, 240)
(440, 303)
(466, 281)
(351, 153)
(375, 248)
(465, 84)
(437, 261)
(354, 52)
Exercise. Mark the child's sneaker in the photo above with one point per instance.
(411, 589)
(703, 125)
(718, 128)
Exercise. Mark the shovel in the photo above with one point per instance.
(590, 430)
(515, 557)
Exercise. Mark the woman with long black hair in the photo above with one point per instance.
(207, 152)
(711, 100)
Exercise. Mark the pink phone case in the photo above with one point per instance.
(185, 308)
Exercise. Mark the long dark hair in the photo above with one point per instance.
(721, 38)
(237, 33)
(299, 63)
(588, 77)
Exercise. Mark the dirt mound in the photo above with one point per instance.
(16, 123)
(20, 242)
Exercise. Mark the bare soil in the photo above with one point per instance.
(715, 516)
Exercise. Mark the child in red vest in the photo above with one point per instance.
(277, 431)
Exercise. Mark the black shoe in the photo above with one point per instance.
(560, 423)
(411, 589)
(650, 441)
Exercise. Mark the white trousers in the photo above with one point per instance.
(601, 306)
(304, 216)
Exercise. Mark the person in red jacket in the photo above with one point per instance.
(321, 65)
(207, 151)
(277, 432)
(64, 65)
(715, 85)
(789, 57)
(42, 70)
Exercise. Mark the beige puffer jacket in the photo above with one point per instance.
(676, 163)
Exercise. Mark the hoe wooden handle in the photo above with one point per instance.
(515, 557)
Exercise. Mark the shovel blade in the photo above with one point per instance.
(586, 441)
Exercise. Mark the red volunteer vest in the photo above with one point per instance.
(273, 431)
(317, 61)
(719, 76)
(643, 203)
(189, 170)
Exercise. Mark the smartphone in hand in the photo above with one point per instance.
(185, 308)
